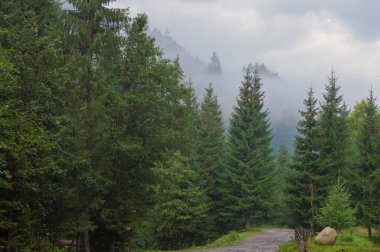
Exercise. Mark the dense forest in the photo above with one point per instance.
(104, 145)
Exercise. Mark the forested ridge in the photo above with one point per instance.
(104, 145)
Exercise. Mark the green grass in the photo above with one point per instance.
(349, 241)
(227, 240)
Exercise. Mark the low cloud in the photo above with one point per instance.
(302, 40)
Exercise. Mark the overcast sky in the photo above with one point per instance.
(300, 39)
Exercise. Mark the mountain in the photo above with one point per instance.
(191, 65)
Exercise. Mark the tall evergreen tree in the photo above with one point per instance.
(333, 137)
(367, 179)
(210, 151)
(249, 156)
(149, 114)
(280, 213)
(179, 217)
(305, 176)
(92, 38)
(33, 80)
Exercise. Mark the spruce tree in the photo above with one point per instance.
(367, 180)
(150, 113)
(280, 213)
(32, 83)
(214, 67)
(305, 178)
(333, 132)
(179, 216)
(249, 157)
(93, 40)
(337, 211)
(210, 151)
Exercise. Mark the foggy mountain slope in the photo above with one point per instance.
(283, 109)
(191, 65)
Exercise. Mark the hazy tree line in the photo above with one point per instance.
(105, 145)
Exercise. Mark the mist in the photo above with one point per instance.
(302, 41)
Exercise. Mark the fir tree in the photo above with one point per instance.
(280, 214)
(33, 79)
(333, 137)
(93, 39)
(179, 216)
(304, 178)
(214, 66)
(149, 113)
(367, 180)
(249, 156)
(210, 152)
(337, 211)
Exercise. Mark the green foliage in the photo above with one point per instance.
(210, 152)
(93, 44)
(282, 213)
(367, 179)
(179, 217)
(337, 212)
(247, 188)
(85, 115)
(305, 174)
(333, 140)
(33, 75)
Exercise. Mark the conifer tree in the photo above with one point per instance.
(280, 214)
(337, 211)
(179, 217)
(367, 180)
(211, 149)
(304, 178)
(150, 113)
(333, 137)
(249, 156)
(33, 79)
(214, 66)
(93, 39)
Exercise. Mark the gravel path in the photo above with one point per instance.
(264, 241)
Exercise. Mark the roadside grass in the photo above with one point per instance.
(229, 239)
(226, 240)
(354, 240)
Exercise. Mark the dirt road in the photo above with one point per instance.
(264, 241)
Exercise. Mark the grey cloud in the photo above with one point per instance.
(361, 15)
(300, 39)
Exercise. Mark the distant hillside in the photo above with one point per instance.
(191, 65)
(226, 85)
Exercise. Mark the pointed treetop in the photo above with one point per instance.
(215, 66)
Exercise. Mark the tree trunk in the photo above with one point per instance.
(247, 220)
(369, 232)
(77, 242)
(86, 241)
(312, 197)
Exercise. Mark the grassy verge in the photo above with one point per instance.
(348, 241)
(229, 239)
